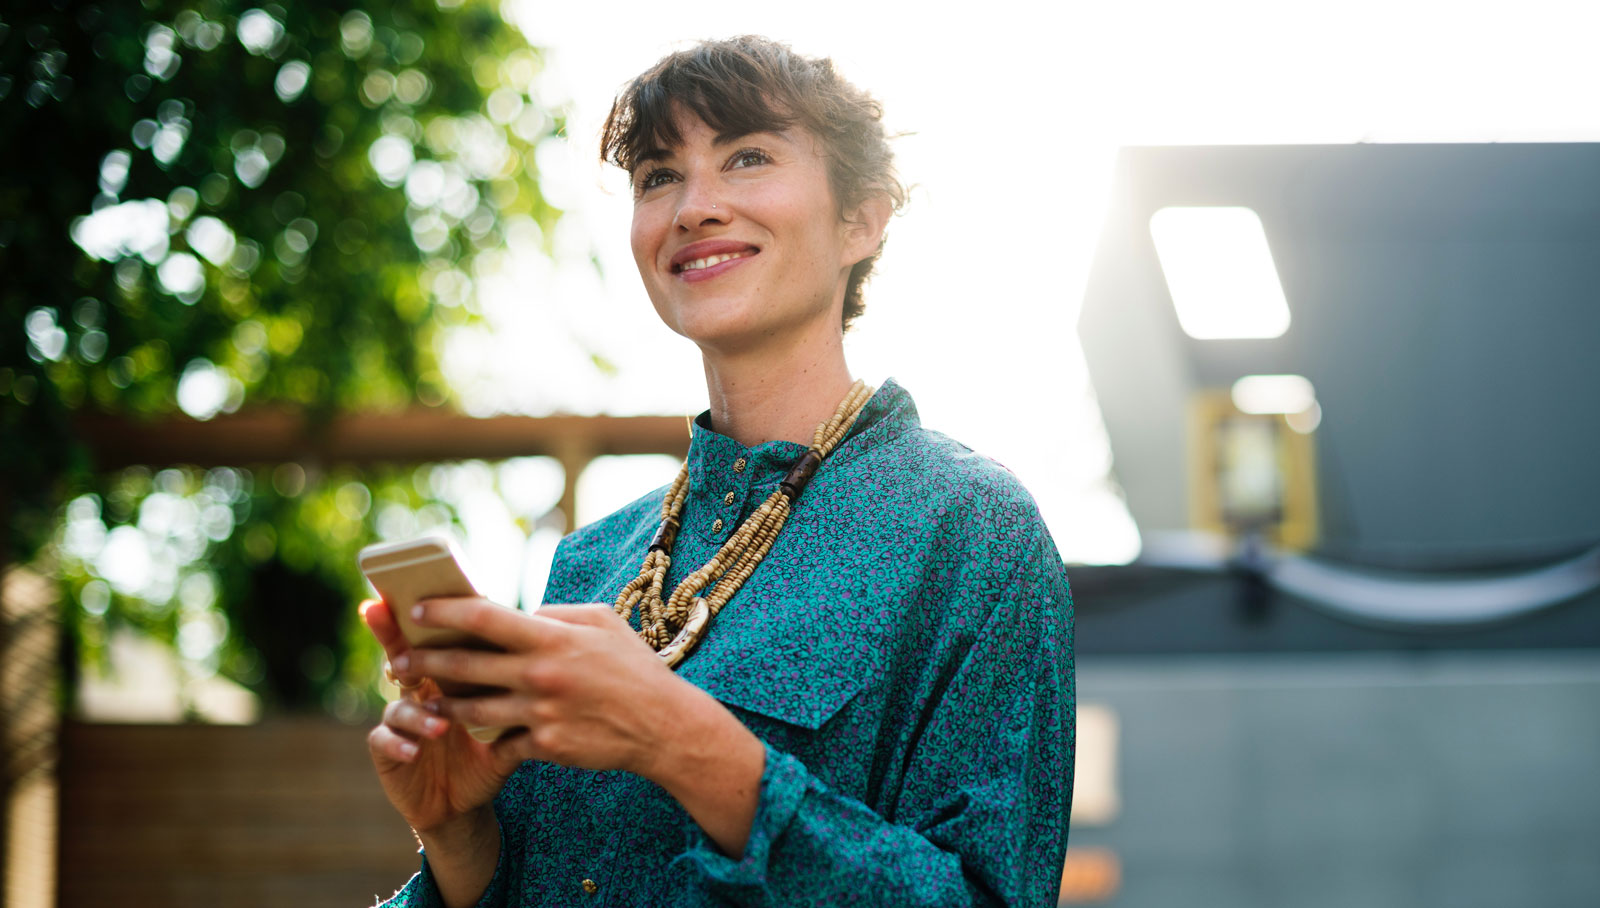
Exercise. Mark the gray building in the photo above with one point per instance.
(1398, 703)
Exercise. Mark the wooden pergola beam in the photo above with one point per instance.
(416, 436)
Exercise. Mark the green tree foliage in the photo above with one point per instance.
(209, 204)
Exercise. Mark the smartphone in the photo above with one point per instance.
(405, 573)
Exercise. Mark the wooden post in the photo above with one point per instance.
(30, 635)
(574, 454)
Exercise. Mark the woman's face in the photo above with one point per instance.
(739, 239)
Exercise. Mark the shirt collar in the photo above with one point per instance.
(889, 412)
(722, 472)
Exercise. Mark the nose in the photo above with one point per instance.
(698, 207)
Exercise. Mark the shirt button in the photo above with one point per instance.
(728, 498)
(590, 887)
(716, 525)
(738, 465)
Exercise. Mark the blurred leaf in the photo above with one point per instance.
(214, 204)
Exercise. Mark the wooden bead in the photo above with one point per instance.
(666, 535)
(675, 626)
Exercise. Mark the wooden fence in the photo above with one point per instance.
(284, 813)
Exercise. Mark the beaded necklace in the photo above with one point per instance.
(675, 626)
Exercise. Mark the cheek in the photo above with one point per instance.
(645, 238)
(817, 219)
(800, 220)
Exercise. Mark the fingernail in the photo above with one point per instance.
(432, 706)
(433, 725)
(407, 749)
(416, 612)
(400, 663)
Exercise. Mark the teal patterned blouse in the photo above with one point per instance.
(905, 653)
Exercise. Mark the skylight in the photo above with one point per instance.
(1220, 273)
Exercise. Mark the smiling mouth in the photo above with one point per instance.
(708, 261)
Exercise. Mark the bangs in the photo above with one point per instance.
(731, 90)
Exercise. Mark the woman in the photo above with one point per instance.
(836, 666)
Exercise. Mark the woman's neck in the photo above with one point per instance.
(782, 395)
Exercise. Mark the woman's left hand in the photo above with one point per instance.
(586, 691)
(579, 686)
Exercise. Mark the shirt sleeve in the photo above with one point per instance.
(422, 892)
(983, 807)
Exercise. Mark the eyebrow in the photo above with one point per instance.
(653, 153)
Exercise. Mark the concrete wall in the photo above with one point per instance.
(1448, 779)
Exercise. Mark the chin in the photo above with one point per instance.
(728, 323)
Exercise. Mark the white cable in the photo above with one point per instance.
(1433, 602)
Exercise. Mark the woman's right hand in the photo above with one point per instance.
(434, 773)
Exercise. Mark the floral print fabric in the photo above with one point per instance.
(905, 652)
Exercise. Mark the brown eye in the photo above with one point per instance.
(654, 178)
(749, 157)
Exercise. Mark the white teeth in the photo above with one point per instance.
(708, 261)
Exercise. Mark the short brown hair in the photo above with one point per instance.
(752, 84)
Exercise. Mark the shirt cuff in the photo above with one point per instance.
(418, 892)
(423, 892)
(784, 781)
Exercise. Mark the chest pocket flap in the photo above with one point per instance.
(782, 672)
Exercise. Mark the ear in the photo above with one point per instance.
(863, 228)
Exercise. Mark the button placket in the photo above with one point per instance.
(739, 466)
